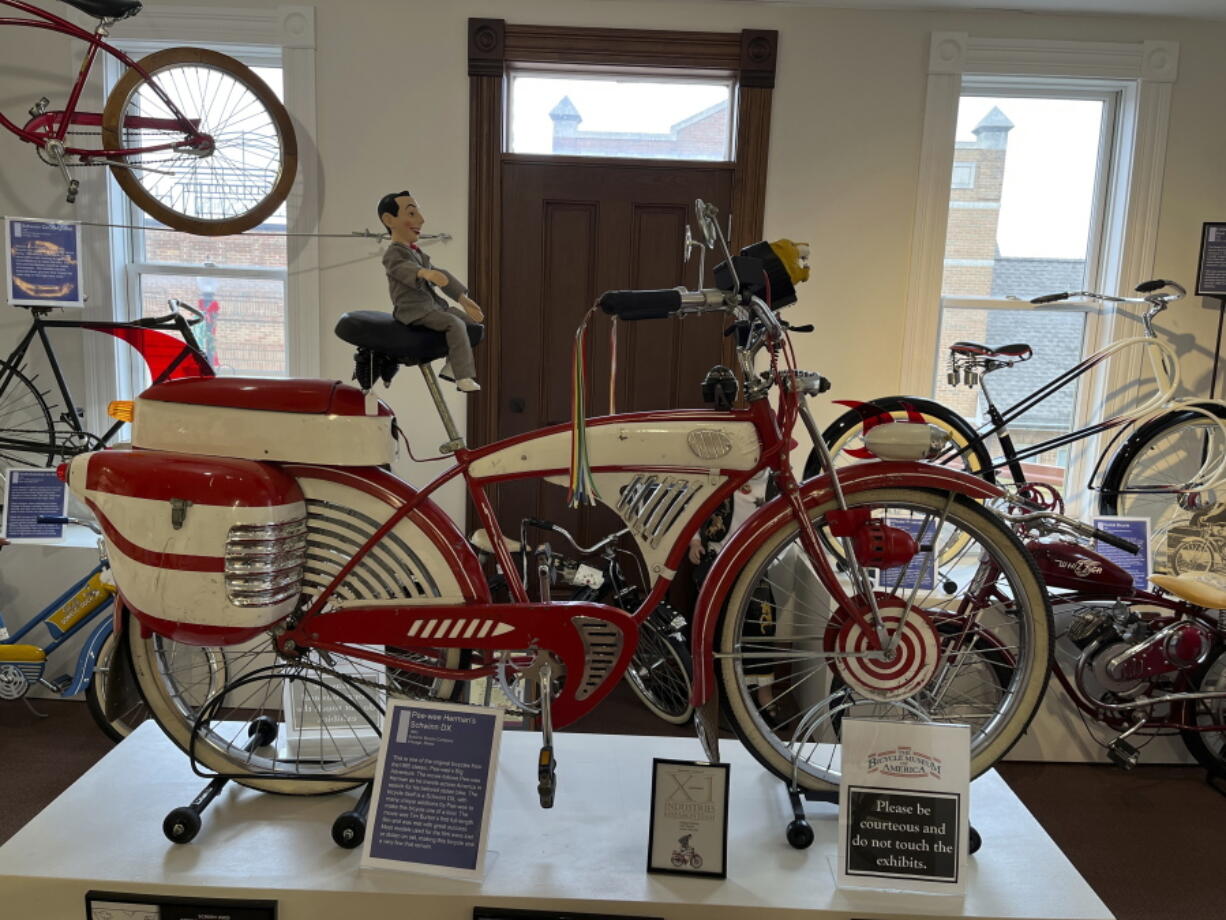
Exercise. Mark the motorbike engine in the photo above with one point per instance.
(1124, 655)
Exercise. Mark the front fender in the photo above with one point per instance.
(766, 521)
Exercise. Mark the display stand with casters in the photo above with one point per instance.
(182, 824)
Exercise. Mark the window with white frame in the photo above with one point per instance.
(1028, 223)
(621, 115)
(237, 282)
(1063, 196)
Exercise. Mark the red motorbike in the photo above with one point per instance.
(259, 517)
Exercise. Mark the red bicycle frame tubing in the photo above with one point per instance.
(53, 23)
(774, 455)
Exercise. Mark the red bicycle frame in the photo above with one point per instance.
(54, 125)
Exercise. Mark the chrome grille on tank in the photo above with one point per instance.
(390, 569)
(264, 562)
(602, 644)
(651, 504)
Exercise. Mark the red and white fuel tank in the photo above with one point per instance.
(253, 418)
(1078, 568)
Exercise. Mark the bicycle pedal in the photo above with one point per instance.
(546, 776)
(1123, 754)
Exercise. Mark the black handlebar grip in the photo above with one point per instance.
(52, 519)
(1050, 298)
(1118, 542)
(1146, 286)
(632, 305)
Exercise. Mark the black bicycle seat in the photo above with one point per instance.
(107, 9)
(383, 334)
(1018, 352)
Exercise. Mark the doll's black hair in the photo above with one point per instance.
(387, 204)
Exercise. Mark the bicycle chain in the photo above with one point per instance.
(80, 165)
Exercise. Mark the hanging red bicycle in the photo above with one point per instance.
(192, 136)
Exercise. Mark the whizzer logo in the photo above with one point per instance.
(1082, 568)
(902, 761)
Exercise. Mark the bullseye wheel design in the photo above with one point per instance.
(899, 674)
(973, 635)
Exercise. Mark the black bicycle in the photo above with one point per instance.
(37, 429)
(1170, 464)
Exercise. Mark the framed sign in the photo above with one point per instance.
(43, 263)
(1211, 269)
(29, 494)
(114, 905)
(1135, 530)
(689, 818)
(434, 789)
(903, 804)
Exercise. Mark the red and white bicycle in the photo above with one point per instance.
(256, 516)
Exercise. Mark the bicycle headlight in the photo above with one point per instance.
(769, 270)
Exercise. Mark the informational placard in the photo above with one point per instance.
(115, 905)
(43, 266)
(27, 495)
(689, 818)
(1135, 530)
(1211, 271)
(434, 788)
(903, 806)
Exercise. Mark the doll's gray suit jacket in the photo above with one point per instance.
(412, 297)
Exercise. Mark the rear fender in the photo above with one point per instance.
(740, 546)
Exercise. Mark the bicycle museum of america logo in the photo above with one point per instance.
(691, 796)
(905, 762)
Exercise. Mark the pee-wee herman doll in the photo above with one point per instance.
(414, 284)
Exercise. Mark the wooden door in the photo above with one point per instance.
(570, 231)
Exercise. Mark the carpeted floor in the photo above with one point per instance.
(1150, 842)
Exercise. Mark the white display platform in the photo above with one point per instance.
(586, 854)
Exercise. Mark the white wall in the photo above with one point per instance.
(393, 113)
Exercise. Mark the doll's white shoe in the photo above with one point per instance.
(467, 385)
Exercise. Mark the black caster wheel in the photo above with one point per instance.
(800, 834)
(973, 841)
(262, 731)
(349, 830)
(181, 825)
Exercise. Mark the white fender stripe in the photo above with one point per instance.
(413, 630)
(502, 628)
(428, 632)
(486, 625)
(472, 628)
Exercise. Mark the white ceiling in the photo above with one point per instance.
(1198, 9)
